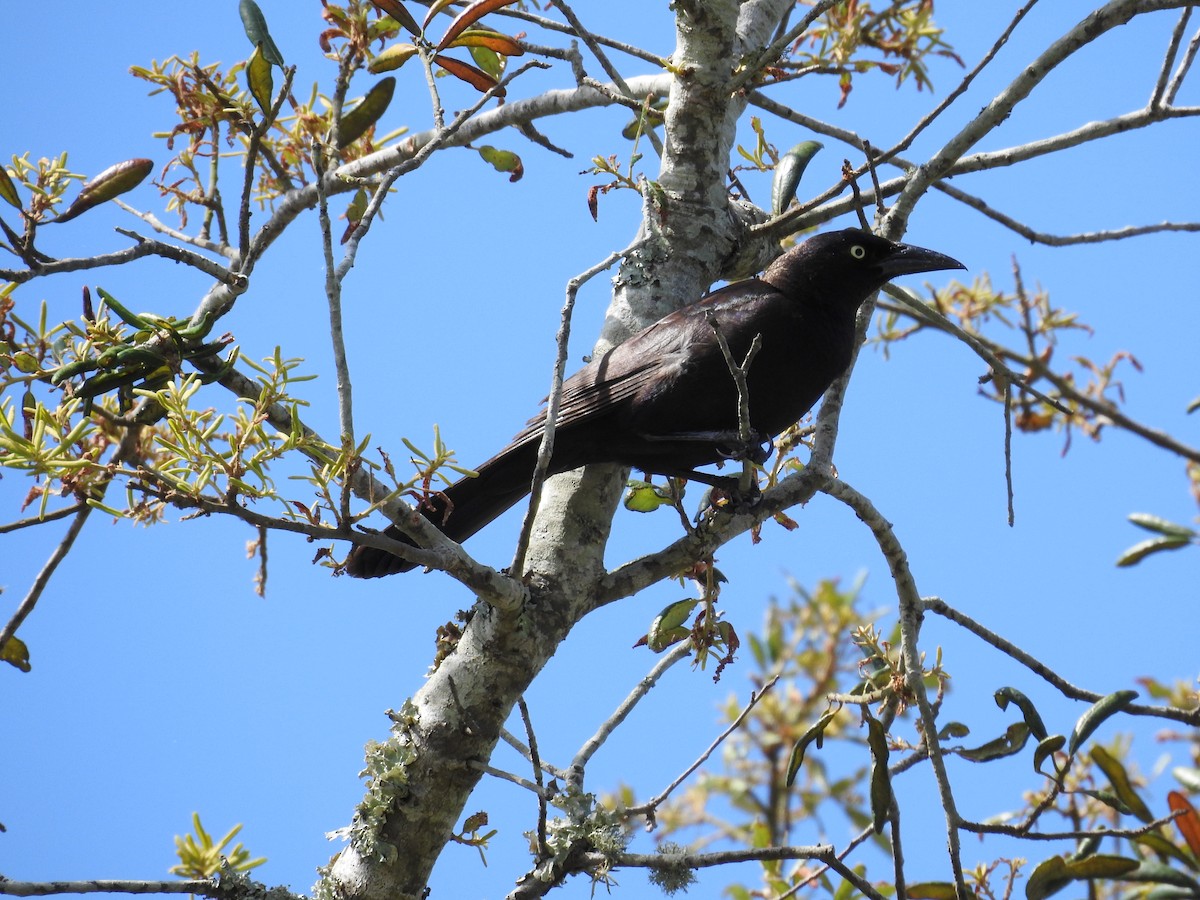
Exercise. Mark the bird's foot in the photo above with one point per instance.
(757, 449)
(729, 495)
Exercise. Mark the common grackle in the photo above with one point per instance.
(665, 402)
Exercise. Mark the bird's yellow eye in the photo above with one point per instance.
(858, 251)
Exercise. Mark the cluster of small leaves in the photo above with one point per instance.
(902, 35)
(1084, 392)
(64, 445)
(201, 857)
(807, 641)
(46, 181)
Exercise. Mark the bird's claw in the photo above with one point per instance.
(756, 449)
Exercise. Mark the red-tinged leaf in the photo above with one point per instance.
(593, 202)
(434, 8)
(476, 78)
(469, 17)
(1188, 822)
(492, 40)
(112, 182)
(396, 10)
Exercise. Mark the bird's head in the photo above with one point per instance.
(850, 265)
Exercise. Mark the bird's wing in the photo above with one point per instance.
(654, 358)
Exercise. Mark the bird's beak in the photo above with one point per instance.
(907, 259)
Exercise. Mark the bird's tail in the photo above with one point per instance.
(460, 510)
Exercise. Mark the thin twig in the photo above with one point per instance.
(942, 608)
(609, 725)
(43, 577)
(648, 808)
(911, 608)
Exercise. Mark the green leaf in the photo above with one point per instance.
(488, 60)
(396, 10)
(1138, 552)
(1096, 714)
(953, 731)
(881, 782)
(814, 734)
(391, 58)
(503, 161)
(667, 627)
(1007, 695)
(259, 80)
(8, 190)
(112, 182)
(787, 174)
(355, 123)
(932, 890)
(1119, 779)
(644, 497)
(15, 653)
(1046, 748)
(1160, 525)
(256, 29)
(1011, 742)
(1048, 878)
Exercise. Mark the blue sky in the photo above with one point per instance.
(162, 685)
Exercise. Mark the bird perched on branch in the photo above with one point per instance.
(665, 401)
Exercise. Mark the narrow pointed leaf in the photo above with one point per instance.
(1102, 866)
(1048, 878)
(1007, 695)
(1188, 822)
(815, 734)
(396, 10)
(1119, 779)
(1138, 552)
(1160, 525)
(434, 8)
(112, 182)
(881, 782)
(1012, 741)
(475, 77)
(8, 190)
(1096, 714)
(788, 172)
(1046, 748)
(467, 18)
(255, 24)
(259, 79)
(932, 890)
(355, 123)
(1164, 848)
(488, 60)
(391, 58)
(492, 40)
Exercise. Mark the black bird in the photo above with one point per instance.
(665, 402)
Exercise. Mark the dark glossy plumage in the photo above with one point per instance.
(661, 401)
